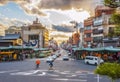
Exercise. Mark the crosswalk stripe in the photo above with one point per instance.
(65, 79)
(9, 71)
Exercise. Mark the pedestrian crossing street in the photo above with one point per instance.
(80, 76)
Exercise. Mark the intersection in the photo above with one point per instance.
(64, 71)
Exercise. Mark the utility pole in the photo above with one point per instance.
(22, 35)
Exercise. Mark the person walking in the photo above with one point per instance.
(37, 63)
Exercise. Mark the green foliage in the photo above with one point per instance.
(111, 3)
(116, 18)
(111, 70)
(117, 30)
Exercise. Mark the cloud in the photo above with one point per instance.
(57, 17)
(2, 26)
(63, 28)
(36, 6)
(13, 22)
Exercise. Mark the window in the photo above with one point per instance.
(33, 37)
(88, 35)
(97, 39)
(96, 31)
(95, 58)
(88, 28)
(89, 58)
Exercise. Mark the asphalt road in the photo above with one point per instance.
(64, 71)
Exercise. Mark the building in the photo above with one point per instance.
(100, 9)
(10, 40)
(35, 35)
(88, 24)
(81, 37)
(98, 27)
(103, 26)
(98, 31)
(46, 38)
(75, 39)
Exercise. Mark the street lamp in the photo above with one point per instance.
(22, 34)
(81, 37)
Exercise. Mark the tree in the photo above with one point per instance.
(111, 70)
(116, 19)
(111, 3)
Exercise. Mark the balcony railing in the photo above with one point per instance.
(87, 31)
(88, 39)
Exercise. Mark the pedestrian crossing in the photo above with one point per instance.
(75, 76)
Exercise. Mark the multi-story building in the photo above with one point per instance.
(35, 35)
(99, 10)
(98, 30)
(88, 23)
(46, 38)
(98, 27)
(76, 39)
(102, 25)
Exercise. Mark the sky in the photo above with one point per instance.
(57, 12)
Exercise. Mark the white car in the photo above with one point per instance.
(49, 59)
(93, 60)
(65, 57)
(54, 56)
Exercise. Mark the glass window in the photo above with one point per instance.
(88, 35)
(33, 37)
(95, 58)
(88, 27)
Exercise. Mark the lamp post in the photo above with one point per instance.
(81, 37)
(98, 77)
(22, 34)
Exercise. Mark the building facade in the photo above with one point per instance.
(35, 35)
(76, 39)
(10, 40)
(88, 24)
(98, 27)
(103, 26)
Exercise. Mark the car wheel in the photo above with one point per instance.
(95, 63)
(87, 62)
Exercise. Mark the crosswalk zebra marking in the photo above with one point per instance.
(66, 79)
(9, 71)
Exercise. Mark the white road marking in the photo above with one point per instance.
(65, 79)
(25, 73)
(54, 75)
(67, 71)
(90, 72)
(71, 76)
(82, 76)
(43, 73)
(8, 71)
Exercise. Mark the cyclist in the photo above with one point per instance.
(51, 65)
(37, 63)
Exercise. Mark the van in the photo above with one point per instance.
(93, 60)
